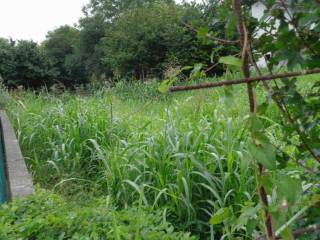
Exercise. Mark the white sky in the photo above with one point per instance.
(32, 19)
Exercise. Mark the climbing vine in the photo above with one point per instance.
(285, 38)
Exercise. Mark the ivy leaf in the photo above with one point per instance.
(220, 216)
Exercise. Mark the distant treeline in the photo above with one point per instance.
(116, 39)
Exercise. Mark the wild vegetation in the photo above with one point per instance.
(47, 216)
(114, 40)
(186, 155)
(203, 161)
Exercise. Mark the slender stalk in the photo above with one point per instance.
(295, 217)
(253, 108)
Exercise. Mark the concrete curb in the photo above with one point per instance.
(19, 180)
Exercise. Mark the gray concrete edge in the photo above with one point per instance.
(19, 180)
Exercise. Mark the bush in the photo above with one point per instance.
(47, 216)
(24, 63)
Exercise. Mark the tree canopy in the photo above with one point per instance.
(139, 39)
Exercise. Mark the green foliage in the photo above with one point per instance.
(190, 155)
(260, 146)
(296, 38)
(231, 61)
(142, 42)
(286, 35)
(7, 60)
(62, 48)
(92, 30)
(47, 216)
(171, 79)
(118, 39)
(112, 9)
(220, 216)
(181, 153)
(4, 96)
(295, 42)
(152, 150)
(23, 63)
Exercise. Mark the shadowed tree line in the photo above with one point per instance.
(116, 39)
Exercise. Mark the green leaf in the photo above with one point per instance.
(248, 215)
(186, 68)
(255, 123)
(262, 108)
(220, 216)
(231, 61)
(165, 86)
(262, 150)
(315, 199)
(231, 26)
(202, 32)
(287, 234)
(288, 188)
(282, 159)
(197, 71)
(267, 181)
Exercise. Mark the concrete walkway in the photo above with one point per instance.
(19, 181)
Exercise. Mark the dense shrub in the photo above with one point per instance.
(62, 48)
(24, 63)
(47, 216)
(144, 41)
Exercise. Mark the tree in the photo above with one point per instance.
(92, 31)
(23, 63)
(33, 68)
(144, 40)
(112, 9)
(7, 61)
(62, 48)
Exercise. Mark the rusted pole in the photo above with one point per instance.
(253, 108)
(244, 80)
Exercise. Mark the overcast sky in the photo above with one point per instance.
(32, 19)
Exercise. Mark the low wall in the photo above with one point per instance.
(19, 181)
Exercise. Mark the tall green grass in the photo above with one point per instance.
(185, 154)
